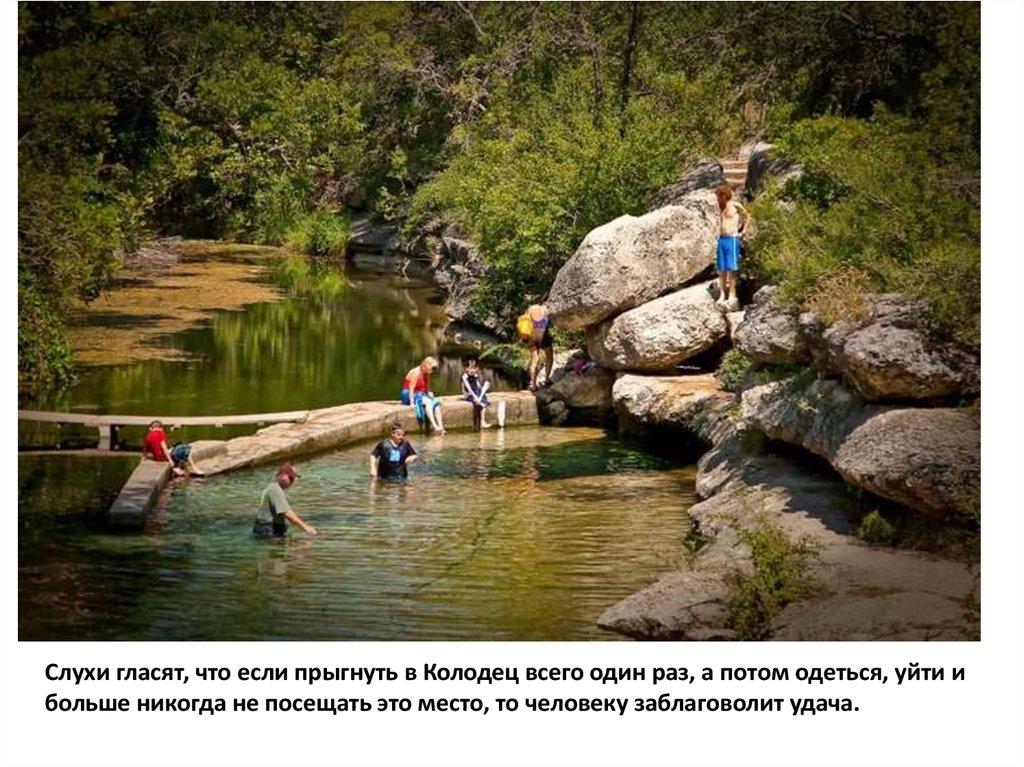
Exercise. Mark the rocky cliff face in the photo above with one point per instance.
(925, 458)
(863, 593)
(895, 355)
(879, 400)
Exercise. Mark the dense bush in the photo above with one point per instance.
(546, 167)
(733, 369)
(322, 233)
(873, 202)
(779, 576)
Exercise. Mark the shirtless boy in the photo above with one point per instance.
(734, 219)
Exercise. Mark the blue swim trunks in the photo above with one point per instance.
(728, 259)
(419, 401)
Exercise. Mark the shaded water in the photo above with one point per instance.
(314, 348)
(526, 534)
(333, 337)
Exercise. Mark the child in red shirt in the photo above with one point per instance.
(179, 456)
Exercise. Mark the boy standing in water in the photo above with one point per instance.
(390, 458)
(733, 220)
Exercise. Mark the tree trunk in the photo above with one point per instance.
(627, 63)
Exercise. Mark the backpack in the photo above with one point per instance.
(524, 326)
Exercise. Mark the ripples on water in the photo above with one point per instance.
(526, 534)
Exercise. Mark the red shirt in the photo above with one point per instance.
(153, 444)
(419, 386)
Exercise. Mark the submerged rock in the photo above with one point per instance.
(633, 260)
(660, 334)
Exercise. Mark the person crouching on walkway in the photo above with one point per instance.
(275, 512)
(390, 458)
(416, 391)
(474, 389)
(178, 457)
(734, 219)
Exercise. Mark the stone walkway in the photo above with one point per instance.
(325, 429)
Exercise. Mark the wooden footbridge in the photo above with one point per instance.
(108, 425)
(284, 436)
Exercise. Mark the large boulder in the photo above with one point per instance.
(705, 173)
(766, 162)
(369, 236)
(660, 334)
(925, 458)
(770, 332)
(695, 405)
(583, 395)
(896, 355)
(632, 260)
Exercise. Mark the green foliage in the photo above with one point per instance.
(876, 203)
(66, 238)
(44, 355)
(527, 124)
(310, 277)
(876, 529)
(733, 370)
(321, 234)
(511, 356)
(779, 577)
(543, 169)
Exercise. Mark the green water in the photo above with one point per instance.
(522, 534)
(345, 336)
(307, 351)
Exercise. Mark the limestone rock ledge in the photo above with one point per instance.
(896, 355)
(866, 593)
(926, 458)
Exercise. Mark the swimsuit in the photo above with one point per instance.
(728, 257)
(472, 384)
(419, 394)
(541, 337)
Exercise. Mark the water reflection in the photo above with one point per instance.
(337, 337)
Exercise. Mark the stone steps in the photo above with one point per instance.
(735, 172)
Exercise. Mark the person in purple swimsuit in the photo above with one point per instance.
(540, 339)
